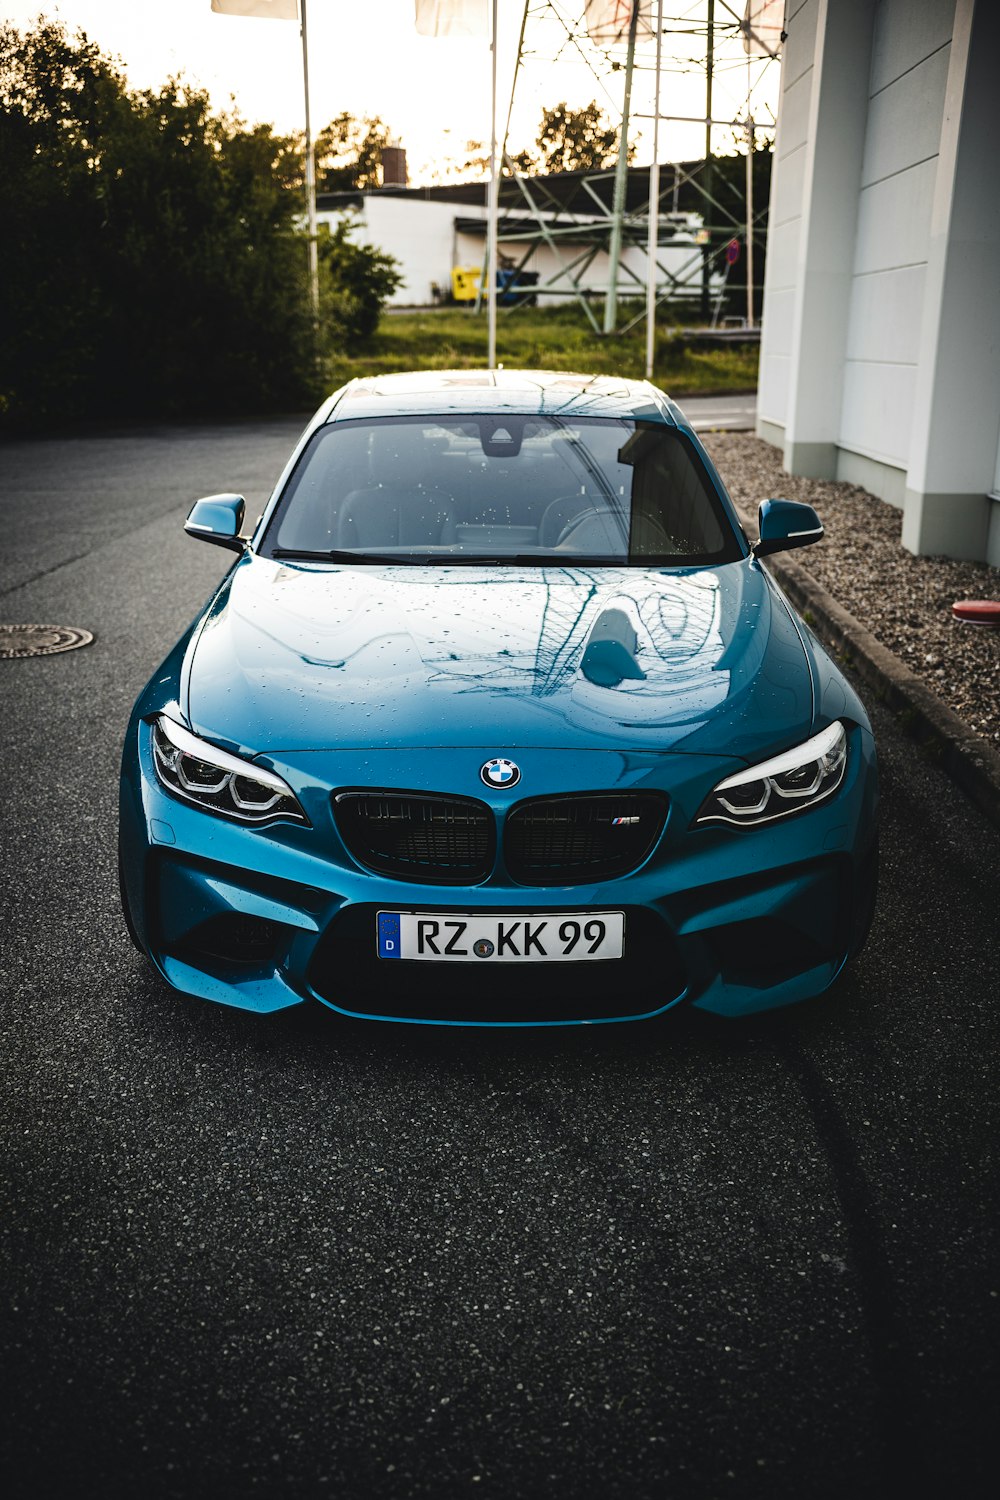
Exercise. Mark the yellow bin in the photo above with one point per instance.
(465, 283)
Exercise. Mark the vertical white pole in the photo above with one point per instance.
(750, 146)
(751, 143)
(492, 259)
(310, 175)
(653, 243)
(621, 181)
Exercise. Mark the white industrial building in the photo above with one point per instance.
(420, 233)
(880, 353)
(432, 231)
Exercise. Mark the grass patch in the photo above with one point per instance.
(548, 339)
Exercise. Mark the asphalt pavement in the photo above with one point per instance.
(298, 1256)
(721, 413)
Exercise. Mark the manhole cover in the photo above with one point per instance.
(40, 640)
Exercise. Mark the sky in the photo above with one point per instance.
(366, 57)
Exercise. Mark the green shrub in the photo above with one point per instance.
(355, 282)
(153, 260)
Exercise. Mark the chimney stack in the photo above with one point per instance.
(393, 165)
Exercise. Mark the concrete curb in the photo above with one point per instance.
(970, 761)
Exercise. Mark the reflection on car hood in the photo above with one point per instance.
(299, 657)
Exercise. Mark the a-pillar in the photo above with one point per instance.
(834, 149)
(956, 416)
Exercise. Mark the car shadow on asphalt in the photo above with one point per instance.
(314, 1032)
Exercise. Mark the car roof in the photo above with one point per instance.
(549, 392)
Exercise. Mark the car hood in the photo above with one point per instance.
(294, 656)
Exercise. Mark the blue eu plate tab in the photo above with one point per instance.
(388, 934)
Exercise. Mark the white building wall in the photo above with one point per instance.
(681, 260)
(956, 407)
(785, 216)
(880, 355)
(419, 234)
(909, 69)
(824, 112)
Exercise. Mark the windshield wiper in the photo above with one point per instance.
(302, 554)
(492, 559)
(532, 560)
(455, 559)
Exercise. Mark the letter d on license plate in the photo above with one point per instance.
(543, 937)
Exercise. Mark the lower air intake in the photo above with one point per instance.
(235, 938)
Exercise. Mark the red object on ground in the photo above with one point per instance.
(977, 611)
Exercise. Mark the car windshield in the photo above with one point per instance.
(501, 488)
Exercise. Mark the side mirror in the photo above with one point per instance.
(218, 519)
(784, 524)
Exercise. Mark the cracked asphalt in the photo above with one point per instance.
(297, 1256)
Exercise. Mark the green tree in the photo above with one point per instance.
(349, 153)
(56, 98)
(523, 161)
(355, 282)
(578, 140)
(154, 257)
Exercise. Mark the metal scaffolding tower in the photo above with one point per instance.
(613, 211)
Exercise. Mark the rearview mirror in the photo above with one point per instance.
(784, 524)
(218, 519)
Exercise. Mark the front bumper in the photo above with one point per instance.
(730, 921)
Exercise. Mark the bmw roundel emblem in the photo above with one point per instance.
(502, 773)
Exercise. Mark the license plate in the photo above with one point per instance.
(543, 938)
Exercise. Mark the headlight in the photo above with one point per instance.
(781, 786)
(221, 783)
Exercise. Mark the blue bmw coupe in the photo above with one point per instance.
(497, 720)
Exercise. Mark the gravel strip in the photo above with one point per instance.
(905, 601)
